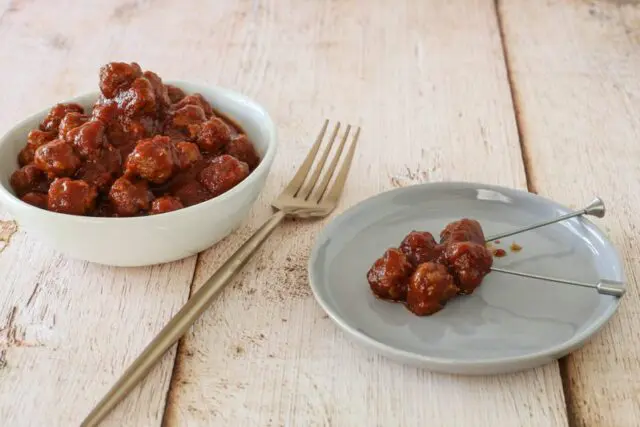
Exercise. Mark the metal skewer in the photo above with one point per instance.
(595, 208)
(604, 286)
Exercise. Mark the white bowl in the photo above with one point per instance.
(151, 239)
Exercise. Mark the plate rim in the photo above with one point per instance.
(441, 362)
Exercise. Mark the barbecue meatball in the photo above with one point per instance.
(88, 139)
(139, 98)
(56, 158)
(195, 99)
(430, 287)
(101, 171)
(389, 275)
(165, 204)
(27, 179)
(464, 230)
(38, 200)
(469, 262)
(223, 173)
(69, 196)
(419, 247)
(188, 154)
(214, 136)
(116, 76)
(242, 149)
(35, 139)
(57, 113)
(175, 94)
(159, 90)
(153, 159)
(191, 193)
(186, 121)
(129, 198)
(69, 122)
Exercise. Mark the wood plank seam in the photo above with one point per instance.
(531, 186)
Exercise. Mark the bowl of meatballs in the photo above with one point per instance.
(140, 172)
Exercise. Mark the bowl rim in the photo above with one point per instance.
(7, 197)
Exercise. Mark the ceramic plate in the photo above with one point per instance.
(509, 323)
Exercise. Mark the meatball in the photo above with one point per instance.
(116, 76)
(469, 262)
(419, 247)
(186, 121)
(464, 230)
(153, 159)
(88, 139)
(102, 170)
(69, 122)
(74, 197)
(430, 287)
(35, 139)
(38, 200)
(223, 173)
(188, 154)
(242, 149)
(129, 198)
(139, 98)
(165, 204)
(195, 99)
(214, 136)
(56, 158)
(57, 113)
(175, 93)
(28, 179)
(191, 193)
(105, 110)
(389, 275)
(160, 90)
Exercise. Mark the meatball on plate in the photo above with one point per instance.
(407, 273)
(142, 171)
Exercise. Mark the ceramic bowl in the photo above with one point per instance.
(153, 239)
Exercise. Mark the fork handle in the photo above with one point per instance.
(182, 321)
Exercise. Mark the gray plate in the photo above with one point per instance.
(509, 323)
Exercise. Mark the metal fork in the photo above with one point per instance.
(308, 195)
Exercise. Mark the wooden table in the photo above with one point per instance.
(538, 95)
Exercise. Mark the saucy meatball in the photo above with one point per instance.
(195, 99)
(430, 287)
(139, 98)
(129, 198)
(242, 149)
(188, 154)
(389, 275)
(116, 76)
(27, 179)
(186, 121)
(464, 230)
(191, 193)
(57, 158)
(223, 173)
(57, 113)
(153, 159)
(69, 196)
(419, 247)
(69, 122)
(175, 93)
(469, 262)
(214, 136)
(38, 200)
(35, 139)
(159, 90)
(165, 204)
(102, 170)
(88, 139)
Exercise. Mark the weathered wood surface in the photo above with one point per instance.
(575, 70)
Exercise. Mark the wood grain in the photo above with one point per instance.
(575, 72)
(427, 82)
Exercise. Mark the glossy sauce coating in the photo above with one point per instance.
(144, 148)
(425, 274)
